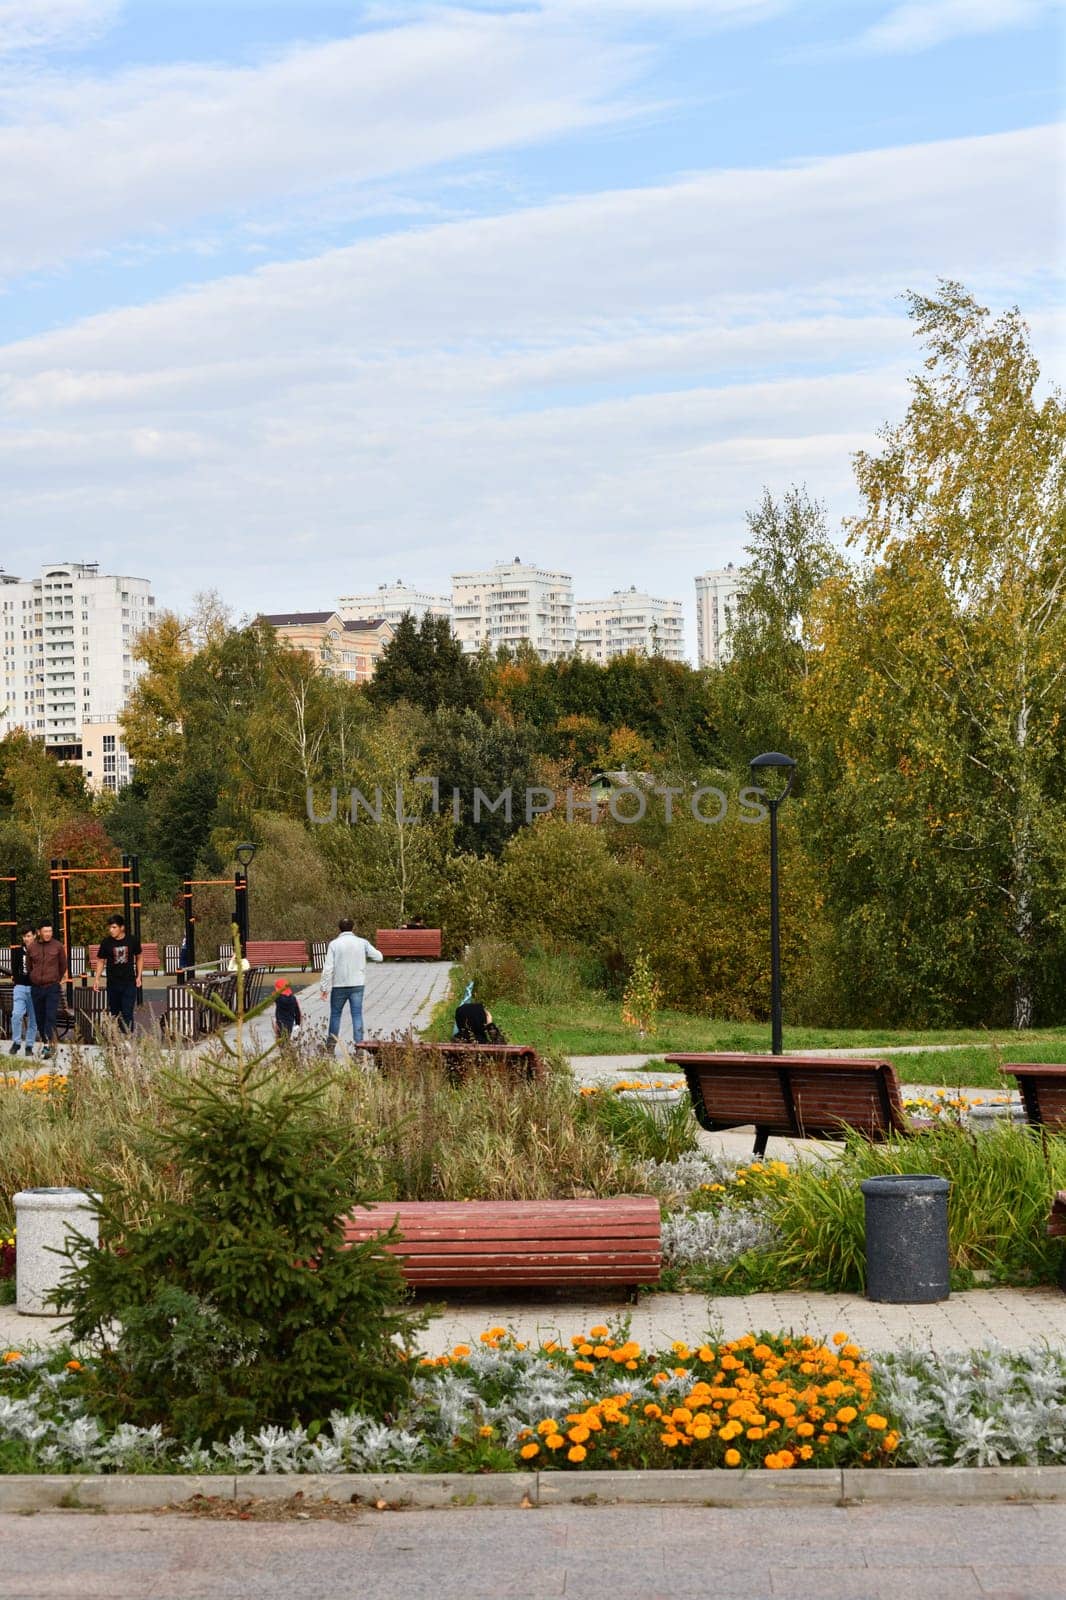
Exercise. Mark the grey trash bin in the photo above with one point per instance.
(907, 1238)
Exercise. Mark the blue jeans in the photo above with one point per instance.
(22, 1011)
(121, 1000)
(338, 999)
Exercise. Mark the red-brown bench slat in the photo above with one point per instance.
(1043, 1091)
(803, 1097)
(274, 953)
(518, 1060)
(484, 1242)
(409, 944)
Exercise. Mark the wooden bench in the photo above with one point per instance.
(490, 1243)
(1043, 1092)
(408, 944)
(1056, 1228)
(187, 1014)
(519, 1061)
(795, 1097)
(271, 953)
(150, 952)
(64, 1020)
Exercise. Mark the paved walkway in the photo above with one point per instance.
(399, 999)
(998, 1552)
(1015, 1318)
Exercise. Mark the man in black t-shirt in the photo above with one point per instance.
(121, 957)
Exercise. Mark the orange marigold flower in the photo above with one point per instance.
(549, 1425)
(73, 1366)
(847, 1414)
(732, 1458)
(485, 1431)
(876, 1422)
(555, 1441)
(12, 1355)
(840, 1338)
(460, 1350)
(576, 1453)
(528, 1451)
(578, 1434)
(598, 1332)
(584, 1366)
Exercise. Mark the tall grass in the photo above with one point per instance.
(425, 1137)
(1002, 1183)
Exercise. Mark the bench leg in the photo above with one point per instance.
(762, 1136)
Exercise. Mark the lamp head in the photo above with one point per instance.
(780, 768)
(244, 854)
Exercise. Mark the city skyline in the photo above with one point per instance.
(299, 297)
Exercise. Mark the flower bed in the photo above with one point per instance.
(766, 1402)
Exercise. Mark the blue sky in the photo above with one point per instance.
(295, 300)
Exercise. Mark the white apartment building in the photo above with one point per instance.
(67, 650)
(716, 599)
(391, 601)
(629, 622)
(511, 602)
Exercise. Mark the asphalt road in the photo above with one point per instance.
(997, 1552)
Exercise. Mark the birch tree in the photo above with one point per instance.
(939, 687)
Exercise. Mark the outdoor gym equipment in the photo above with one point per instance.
(61, 874)
(240, 914)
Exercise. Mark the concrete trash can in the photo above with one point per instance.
(907, 1238)
(45, 1218)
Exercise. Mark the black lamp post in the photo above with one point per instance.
(244, 854)
(781, 767)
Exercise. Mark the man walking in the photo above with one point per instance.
(120, 955)
(47, 963)
(343, 979)
(22, 996)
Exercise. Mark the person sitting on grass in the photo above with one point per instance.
(287, 1016)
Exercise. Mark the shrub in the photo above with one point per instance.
(559, 884)
(496, 970)
(237, 1304)
(1001, 1186)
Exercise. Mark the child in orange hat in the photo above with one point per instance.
(286, 1010)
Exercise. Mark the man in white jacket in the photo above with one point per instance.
(344, 978)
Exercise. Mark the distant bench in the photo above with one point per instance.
(457, 1059)
(408, 944)
(1043, 1092)
(271, 953)
(795, 1097)
(490, 1243)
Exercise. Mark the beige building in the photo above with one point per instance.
(509, 603)
(716, 600)
(630, 623)
(105, 761)
(343, 649)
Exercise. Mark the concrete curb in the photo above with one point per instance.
(714, 1487)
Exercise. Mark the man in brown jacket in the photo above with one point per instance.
(46, 962)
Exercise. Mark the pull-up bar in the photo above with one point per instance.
(62, 872)
(239, 885)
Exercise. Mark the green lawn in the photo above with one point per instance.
(589, 1024)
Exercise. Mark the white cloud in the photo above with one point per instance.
(52, 24)
(605, 383)
(87, 161)
(921, 24)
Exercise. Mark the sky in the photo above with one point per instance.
(298, 299)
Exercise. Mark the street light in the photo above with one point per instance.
(245, 854)
(781, 767)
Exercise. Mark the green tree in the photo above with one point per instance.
(760, 689)
(425, 664)
(466, 753)
(937, 686)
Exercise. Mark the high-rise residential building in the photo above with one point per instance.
(391, 601)
(511, 602)
(716, 600)
(341, 649)
(629, 622)
(67, 642)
